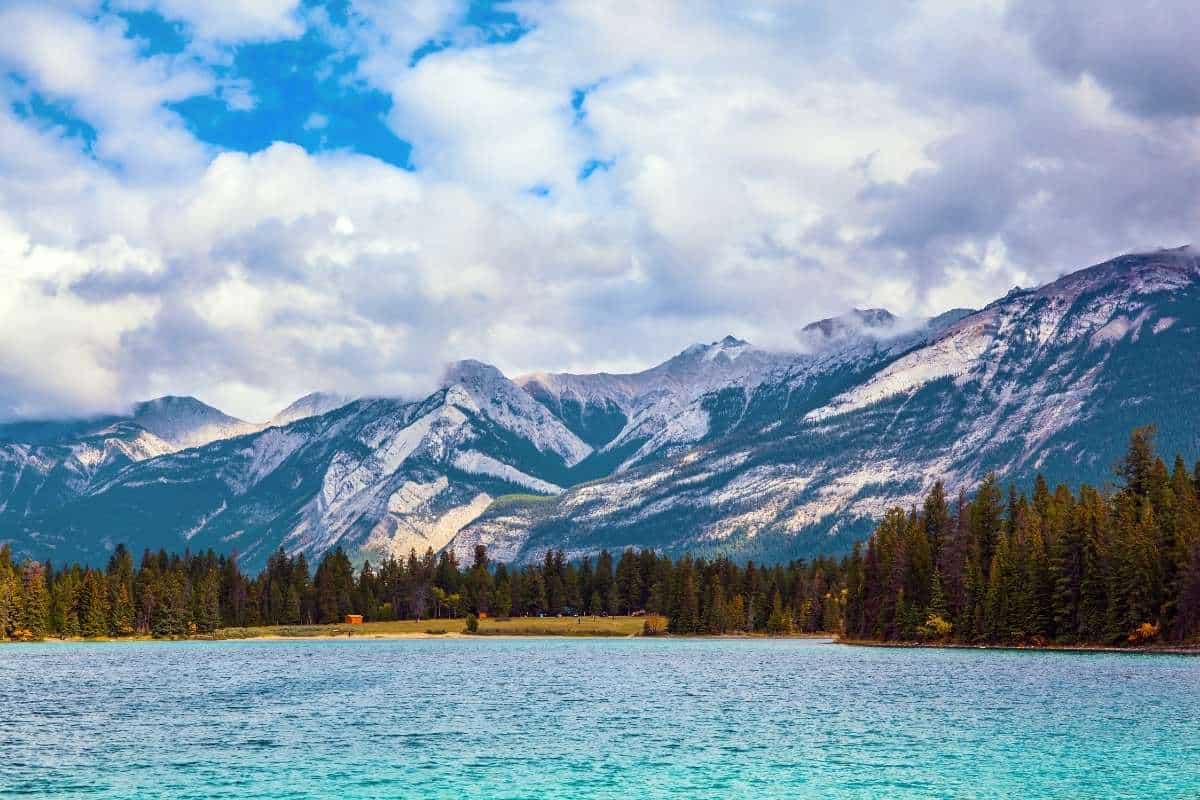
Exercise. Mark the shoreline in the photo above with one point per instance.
(1165, 650)
(342, 635)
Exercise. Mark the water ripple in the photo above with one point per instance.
(591, 719)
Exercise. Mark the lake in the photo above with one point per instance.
(603, 718)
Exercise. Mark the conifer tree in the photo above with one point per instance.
(35, 603)
(1137, 466)
(94, 611)
(987, 519)
(937, 597)
(502, 597)
(780, 621)
(936, 520)
(715, 620)
(10, 592)
(628, 582)
(208, 602)
(121, 608)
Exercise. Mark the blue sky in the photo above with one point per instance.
(249, 201)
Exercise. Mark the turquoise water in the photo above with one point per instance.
(562, 718)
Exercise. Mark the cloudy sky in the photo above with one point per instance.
(247, 203)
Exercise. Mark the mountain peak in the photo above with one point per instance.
(473, 374)
(1166, 269)
(171, 403)
(853, 321)
(313, 404)
(187, 422)
(731, 347)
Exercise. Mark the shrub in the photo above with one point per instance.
(936, 628)
(1144, 634)
(653, 626)
(472, 623)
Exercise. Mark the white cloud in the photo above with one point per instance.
(98, 73)
(763, 168)
(244, 20)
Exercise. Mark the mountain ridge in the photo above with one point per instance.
(723, 447)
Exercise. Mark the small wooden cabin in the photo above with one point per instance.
(354, 619)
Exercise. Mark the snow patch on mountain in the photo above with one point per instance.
(502, 401)
(953, 355)
(265, 454)
(690, 424)
(1118, 327)
(1163, 324)
(204, 520)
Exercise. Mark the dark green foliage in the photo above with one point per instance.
(1121, 567)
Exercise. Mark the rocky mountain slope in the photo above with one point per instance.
(725, 447)
(1047, 380)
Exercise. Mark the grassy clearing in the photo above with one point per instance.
(505, 501)
(516, 626)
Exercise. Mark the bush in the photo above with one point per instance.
(472, 623)
(936, 628)
(1144, 634)
(653, 627)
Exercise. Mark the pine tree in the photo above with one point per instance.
(1187, 623)
(65, 604)
(780, 621)
(987, 519)
(1094, 585)
(937, 598)
(684, 616)
(121, 622)
(715, 620)
(936, 519)
(10, 592)
(629, 582)
(35, 603)
(208, 602)
(1138, 464)
(737, 614)
(502, 598)
(94, 612)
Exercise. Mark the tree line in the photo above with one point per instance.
(1115, 566)
(1103, 567)
(172, 595)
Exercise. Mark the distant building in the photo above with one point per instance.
(354, 619)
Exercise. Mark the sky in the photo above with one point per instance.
(248, 201)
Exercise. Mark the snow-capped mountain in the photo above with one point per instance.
(1048, 380)
(44, 465)
(633, 417)
(724, 447)
(184, 422)
(378, 476)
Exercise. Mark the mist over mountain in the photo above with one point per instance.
(725, 447)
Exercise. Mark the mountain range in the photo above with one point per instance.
(725, 447)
